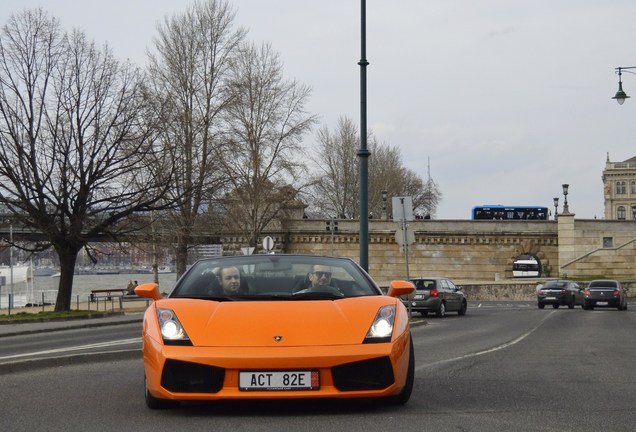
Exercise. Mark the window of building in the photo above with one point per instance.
(620, 188)
(608, 242)
(633, 187)
(620, 213)
(634, 212)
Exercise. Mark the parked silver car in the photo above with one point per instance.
(438, 295)
(605, 293)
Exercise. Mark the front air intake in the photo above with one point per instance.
(185, 377)
(374, 374)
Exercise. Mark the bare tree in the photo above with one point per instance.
(336, 176)
(336, 173)
(188, 74)
(74, 149)
(264, 125)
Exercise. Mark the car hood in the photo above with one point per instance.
(258, 323)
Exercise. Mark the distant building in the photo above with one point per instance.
(206, 251)
(619, 189)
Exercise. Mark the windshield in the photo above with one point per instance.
(424, 284)
(275, 277)
(555, 285)
(603, 284)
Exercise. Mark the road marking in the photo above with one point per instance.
(490, 350)
(76, 348)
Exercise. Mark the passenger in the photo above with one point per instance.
(130, 289)
(320, 276)
(230, 278)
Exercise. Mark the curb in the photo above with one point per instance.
(78, 359)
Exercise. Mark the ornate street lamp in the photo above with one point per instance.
(556, 207)
(566, 210)
(620, 94)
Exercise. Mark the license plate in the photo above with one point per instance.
(601, 303)
(418, 297)
(550, 298)
(279, 380)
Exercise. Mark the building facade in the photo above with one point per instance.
(619, 191)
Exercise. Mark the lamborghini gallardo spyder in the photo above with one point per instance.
(276, 327)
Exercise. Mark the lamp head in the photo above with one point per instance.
(565, 188)
(620, 94)
(556, 201)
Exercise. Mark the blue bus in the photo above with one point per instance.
(501, 212)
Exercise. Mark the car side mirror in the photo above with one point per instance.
(399, 288)
(149, 290)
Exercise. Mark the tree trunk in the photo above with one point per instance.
(68, 258)
(181, 252)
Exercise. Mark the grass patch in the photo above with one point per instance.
(50, 315)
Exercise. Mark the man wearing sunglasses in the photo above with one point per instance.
(320, 276)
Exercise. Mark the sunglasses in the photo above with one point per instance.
(320, 274)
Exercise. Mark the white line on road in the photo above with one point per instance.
(497, 348)
(76, 348)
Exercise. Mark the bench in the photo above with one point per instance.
(108, 294)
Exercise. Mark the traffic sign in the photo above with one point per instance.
(400, 237)
(268, 243)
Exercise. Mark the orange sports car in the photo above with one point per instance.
(276, 326)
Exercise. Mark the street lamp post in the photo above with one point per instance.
(556, 207)
(363, 153)
(620, 94)
(566, 210)
(385, 216)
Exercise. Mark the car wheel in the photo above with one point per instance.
(541, 305)
(555, 306)
(571, 304)
(404, 396)
(441, 312)
(463, 308)
(156, 403)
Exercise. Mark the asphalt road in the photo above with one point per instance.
(499, 368)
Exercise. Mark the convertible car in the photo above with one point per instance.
(276, 327)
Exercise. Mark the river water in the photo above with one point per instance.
(82, 286)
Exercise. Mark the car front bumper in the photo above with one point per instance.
(210, 373)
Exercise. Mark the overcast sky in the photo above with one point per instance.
(508, 99)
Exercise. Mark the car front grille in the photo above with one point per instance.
(185, 377)
(374, 374)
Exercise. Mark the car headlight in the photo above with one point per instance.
(381, 329)
(172, 331)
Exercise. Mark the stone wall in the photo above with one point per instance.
(462, 250)
(601, 249)
(467, 250)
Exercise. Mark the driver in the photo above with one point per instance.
(230, 278)
(320, 276)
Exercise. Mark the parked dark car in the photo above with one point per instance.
(438, 295)
(560, 293)
(605, 293)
